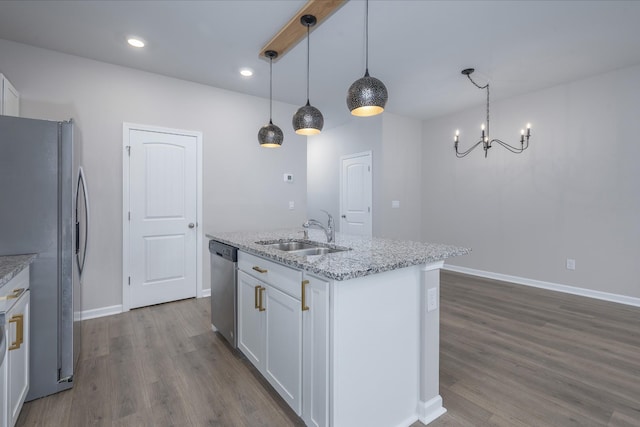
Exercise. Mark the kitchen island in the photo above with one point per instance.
(346, 338)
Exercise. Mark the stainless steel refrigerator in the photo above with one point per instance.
(44, 210)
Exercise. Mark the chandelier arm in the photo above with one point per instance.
(516, 150)
(464, 153)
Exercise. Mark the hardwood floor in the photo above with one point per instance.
(510, 356)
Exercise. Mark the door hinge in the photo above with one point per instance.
(129, 280)
(129, 150)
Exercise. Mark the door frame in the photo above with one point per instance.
(126, 225)
(352, 156)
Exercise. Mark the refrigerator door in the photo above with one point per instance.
(36, 189)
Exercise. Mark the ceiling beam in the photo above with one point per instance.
(293, 31)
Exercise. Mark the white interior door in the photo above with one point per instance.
(162, 217)
(356, 188)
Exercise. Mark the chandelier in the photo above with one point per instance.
(485, 139)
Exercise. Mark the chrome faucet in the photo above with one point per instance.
(329, 230)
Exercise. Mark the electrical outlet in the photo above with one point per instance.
(571, 264)
(432, 299)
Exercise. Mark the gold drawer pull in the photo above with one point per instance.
(14, 294)
(304, 296)
(260, 292)
(260, 270)
(18, 319)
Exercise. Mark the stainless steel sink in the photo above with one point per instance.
(298, 247)
(292, 246)
(318, 251)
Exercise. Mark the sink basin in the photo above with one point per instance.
(297, 247)
(292, 246)
(318, 251)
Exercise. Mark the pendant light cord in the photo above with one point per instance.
(366, 30)
(270, 89)
(308, 55)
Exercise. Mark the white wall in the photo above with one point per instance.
(574, 194)
(395, 144)
(323, 163)
(243, 183)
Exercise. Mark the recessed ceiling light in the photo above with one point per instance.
(135, 42)
(246, 72)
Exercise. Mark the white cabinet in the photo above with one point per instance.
(270, 324)
(16, 297)
(315, 361)
(9, 98)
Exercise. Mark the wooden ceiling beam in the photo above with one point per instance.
(293, 31)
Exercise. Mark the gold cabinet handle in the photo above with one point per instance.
(260, 270)
(18, 319)
(304, 296)
(260, 293)
(14, 294)
(255, 296)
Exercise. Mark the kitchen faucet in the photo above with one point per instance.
(329, 230)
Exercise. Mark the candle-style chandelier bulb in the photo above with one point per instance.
(485, 138)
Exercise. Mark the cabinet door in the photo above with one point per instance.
(283, 362)
(250, 323)
(315, 377)
(18, 357)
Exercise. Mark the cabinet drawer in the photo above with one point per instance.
(277, 275)
(13, 289)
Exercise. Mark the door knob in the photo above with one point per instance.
(191, 225)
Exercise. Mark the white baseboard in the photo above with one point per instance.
(101, 312)
(117, 309)
(621, 299)
(430, 410)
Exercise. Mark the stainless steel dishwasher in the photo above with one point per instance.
(224, 273)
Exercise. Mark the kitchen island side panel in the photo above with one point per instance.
(376, 349)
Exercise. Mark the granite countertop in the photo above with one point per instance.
(367, 255)
(11, 265)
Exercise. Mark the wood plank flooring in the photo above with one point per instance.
(510, 356)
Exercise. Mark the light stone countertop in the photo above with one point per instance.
(367, 255)
(11, 265)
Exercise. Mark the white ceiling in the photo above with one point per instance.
(417, 48)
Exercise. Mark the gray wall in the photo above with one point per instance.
(395, 144)
(243, 183)
(574, 194)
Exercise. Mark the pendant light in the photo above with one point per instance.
(308, 119)
(367, 96)
(270, 135)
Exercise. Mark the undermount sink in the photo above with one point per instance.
(318, 251)
(292, 246)
(297, 247)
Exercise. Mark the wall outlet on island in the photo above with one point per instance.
(432, 299)
(571, 264)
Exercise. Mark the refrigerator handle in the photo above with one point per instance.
(82, 184)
